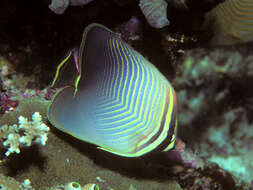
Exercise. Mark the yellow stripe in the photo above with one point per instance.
(140, 116)
(120, 63)
(105, 106)
(132, 104)
(123, 91)
(115, 73)
(160, 117)
(163, 135)
(146, 116)
(59, 68)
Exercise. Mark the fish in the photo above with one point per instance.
(231, 22)
(120, 102)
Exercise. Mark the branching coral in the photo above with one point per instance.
(33, 129)
(25, 133)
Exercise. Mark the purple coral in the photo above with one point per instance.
(6, 104)
(49, 93)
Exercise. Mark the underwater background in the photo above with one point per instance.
(203, 48)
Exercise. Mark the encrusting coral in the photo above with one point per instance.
(155, 12)
(213, 86)
(59, 6)
(25, 133)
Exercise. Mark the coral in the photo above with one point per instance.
(33, 129)
(47, 93)
(206, 76)
(27, 185)
(13, 143)
(24, 134)
(27, 106)
(231, 144)
(7, 104)
(215, 106)
(76, 186)
(72, 186)
(9, 183)
(59, 6)
(90, 186)
(155, 12)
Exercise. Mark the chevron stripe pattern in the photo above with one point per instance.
(136, 103)
(132, 107)
(235, 17)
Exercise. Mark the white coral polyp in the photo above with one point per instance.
(22, 121)
(33, 131)
(26, 140)
(36, 117)
(13, 143)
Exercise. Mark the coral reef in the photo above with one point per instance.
(214, 96)
(231, 142)
(215, 105)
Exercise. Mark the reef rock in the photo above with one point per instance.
(215, 105)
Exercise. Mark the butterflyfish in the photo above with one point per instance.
(67, 71)
(120, 101)
(231, 22)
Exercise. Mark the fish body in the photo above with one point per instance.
(231, 22)
(120, 102)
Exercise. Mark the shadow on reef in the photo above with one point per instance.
(151, 166)
(28, 157)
